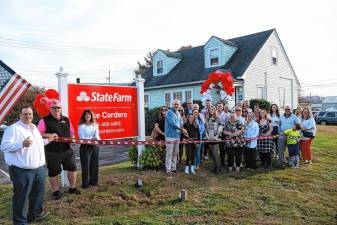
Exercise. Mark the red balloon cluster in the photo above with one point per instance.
(43, 102)
(216, 78)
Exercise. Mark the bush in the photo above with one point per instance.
(133, 155)
(263, 104)
(151, 117)
(153, 157)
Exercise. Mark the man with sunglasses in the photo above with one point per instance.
(57, 153)
(287, 121)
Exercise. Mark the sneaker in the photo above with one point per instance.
(206, 157)
(306, 161)
(237, 169)
(310, 162)
(85, 186)
(192, 170)
(187, 171)
(230, 169)
(174, 171)
(74, 191)
(57, 195)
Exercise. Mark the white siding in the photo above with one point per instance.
(262, 72)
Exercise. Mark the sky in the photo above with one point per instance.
(90, 37)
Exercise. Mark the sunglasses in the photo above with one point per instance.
(237, 110)
(163, 109)
(287, 109)
(56, 107)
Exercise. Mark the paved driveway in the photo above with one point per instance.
(108, 155)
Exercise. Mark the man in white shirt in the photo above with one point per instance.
(23, 148)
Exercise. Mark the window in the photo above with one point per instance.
(168, 99)
(214, 57)
(274, 56)
(188, 95)
(146, 102)
(182, 95)
(178, 95)
(260, 92)
(330, 114)
(160, 69)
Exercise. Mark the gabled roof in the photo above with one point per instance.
(192, 66)
(227, 42)
(171, 54)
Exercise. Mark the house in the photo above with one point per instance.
(329, 103)
(258, 62)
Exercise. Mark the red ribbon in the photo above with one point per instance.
(151, 142)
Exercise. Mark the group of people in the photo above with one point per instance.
(242, 134)
(27, 148)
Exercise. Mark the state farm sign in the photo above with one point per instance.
(114, 107)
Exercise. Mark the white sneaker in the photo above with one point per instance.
(192, 170)
(306, 161)
(230, 169)
(206, 157)
(187, 171)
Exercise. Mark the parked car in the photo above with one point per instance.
(326, 117)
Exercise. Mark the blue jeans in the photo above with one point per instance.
(198, 154)
(29, 186)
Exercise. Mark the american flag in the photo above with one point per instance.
(12, 87)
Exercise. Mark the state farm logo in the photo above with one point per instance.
(106, 97)
(83, 97)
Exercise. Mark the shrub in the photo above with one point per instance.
(263, 104)
(151, 117)
(153, 156)
(133, 155)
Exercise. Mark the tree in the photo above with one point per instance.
(143, 67)
(26, 99)
(185, 47)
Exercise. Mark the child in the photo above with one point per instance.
(293, 136)
(192, 134)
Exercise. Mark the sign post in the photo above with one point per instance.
(63, 93)
(141, 115)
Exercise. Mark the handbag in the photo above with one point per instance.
(308, 134)
(154, 134)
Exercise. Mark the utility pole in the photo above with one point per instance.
(109, 77)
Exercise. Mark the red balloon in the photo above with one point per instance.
(51, 93)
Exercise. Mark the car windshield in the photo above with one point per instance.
(321, 113)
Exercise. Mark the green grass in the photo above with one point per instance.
(286, 196)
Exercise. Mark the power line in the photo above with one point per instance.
(65, 48)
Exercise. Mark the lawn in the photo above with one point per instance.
(282, 196)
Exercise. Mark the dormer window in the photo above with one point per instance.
(214, 57)
(274, 58)
(160, 69)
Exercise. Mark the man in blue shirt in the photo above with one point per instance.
(287, 121)
(173, 129)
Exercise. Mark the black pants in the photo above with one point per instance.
(190, 154)
(265, 158)
(234, 152)
(89, 163)
(223, 151)
(250, 155)
(181, 152)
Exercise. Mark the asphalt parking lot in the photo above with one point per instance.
(108, 155)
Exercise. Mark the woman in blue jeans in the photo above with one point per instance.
(201, 124)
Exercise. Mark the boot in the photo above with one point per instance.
(187, 171)
(192, 170)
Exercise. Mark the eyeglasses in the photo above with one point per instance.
(56, 107)
(237, 110)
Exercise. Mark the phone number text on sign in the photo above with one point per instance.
(114, 107)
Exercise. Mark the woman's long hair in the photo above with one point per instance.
(92, 119)
(271, 110)
(160, 114)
